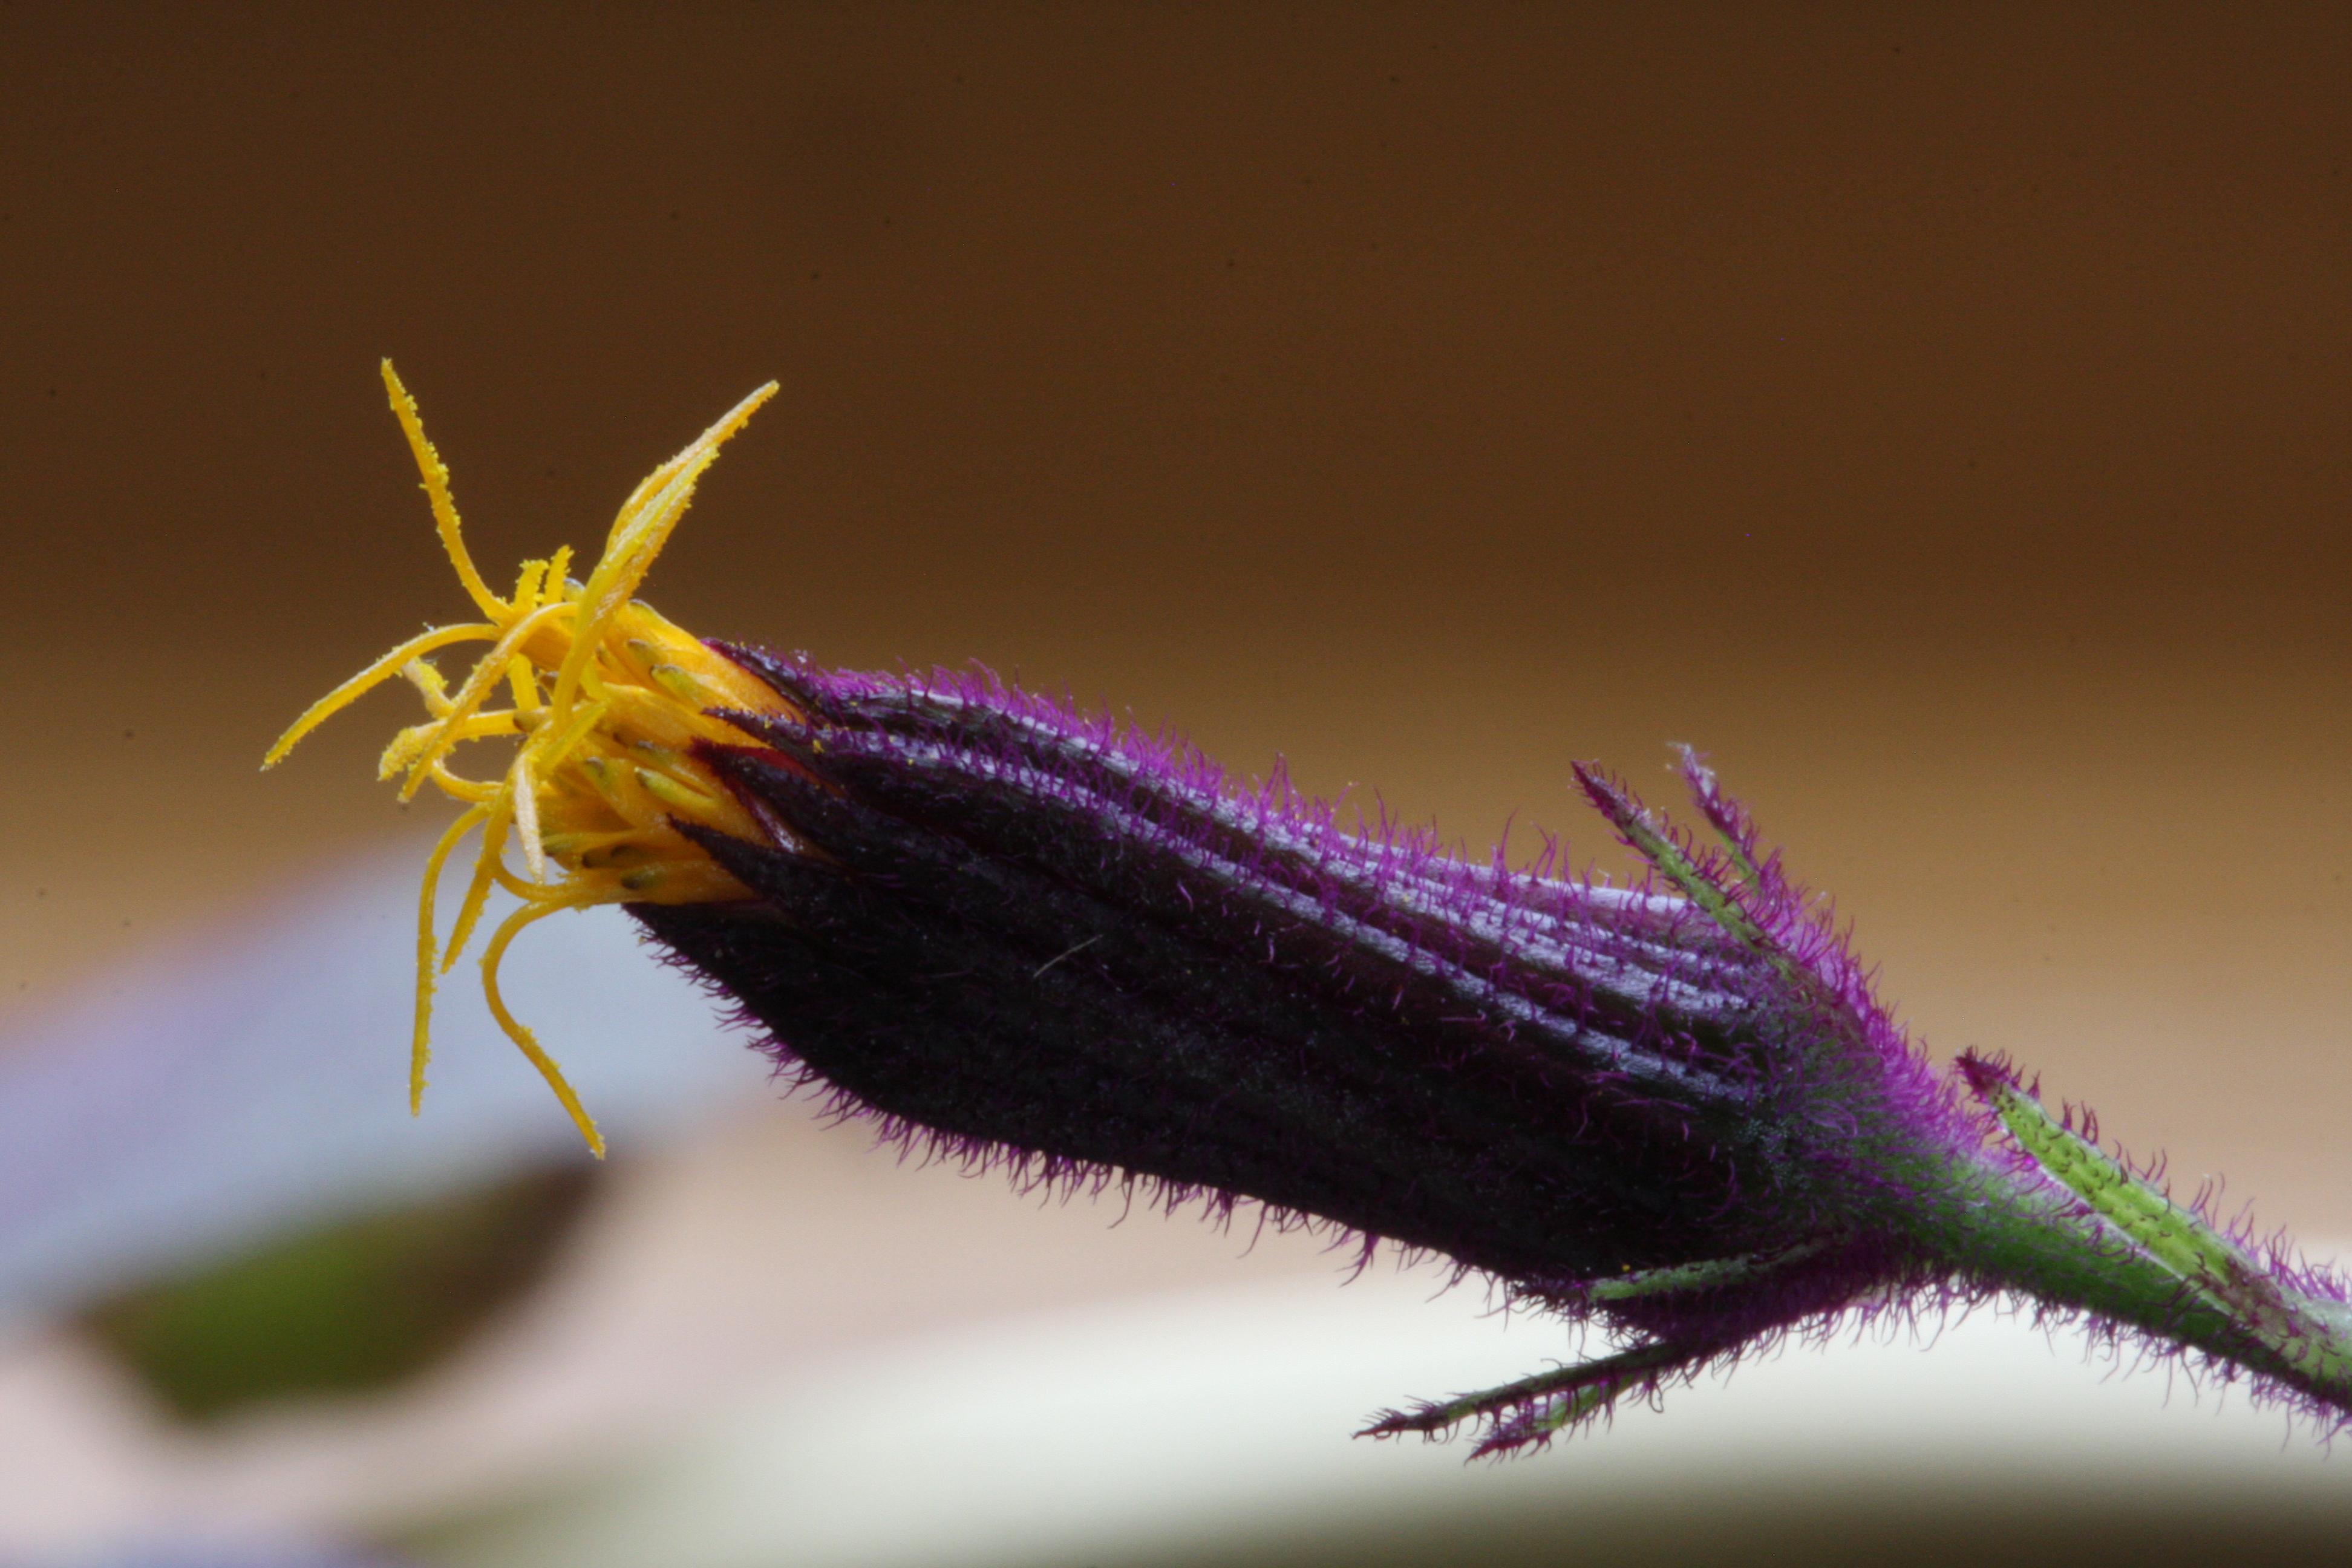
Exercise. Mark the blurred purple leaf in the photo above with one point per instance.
(255, 1080)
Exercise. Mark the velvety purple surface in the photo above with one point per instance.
(1020, 934)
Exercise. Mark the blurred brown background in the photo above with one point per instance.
(1940, 414)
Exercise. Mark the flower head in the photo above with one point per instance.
(1020, 934)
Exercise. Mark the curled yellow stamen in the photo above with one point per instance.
(610, 702)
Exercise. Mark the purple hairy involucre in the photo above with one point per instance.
(1015, 933)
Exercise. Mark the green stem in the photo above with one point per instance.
(2312, 1336)
(2129, 1263)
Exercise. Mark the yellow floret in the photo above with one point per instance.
(608, 700)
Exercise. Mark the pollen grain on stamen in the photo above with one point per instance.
(608, 703)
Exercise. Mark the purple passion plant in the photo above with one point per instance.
(1014, 934)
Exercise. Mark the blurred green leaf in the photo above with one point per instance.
(356, 1306)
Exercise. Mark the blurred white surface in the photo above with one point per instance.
(1221, 1414)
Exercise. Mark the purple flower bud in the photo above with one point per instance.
(1021, 936)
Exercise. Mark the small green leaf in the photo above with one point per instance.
(355, 1306)
(1703, 1276)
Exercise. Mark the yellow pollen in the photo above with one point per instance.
(594, 679)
